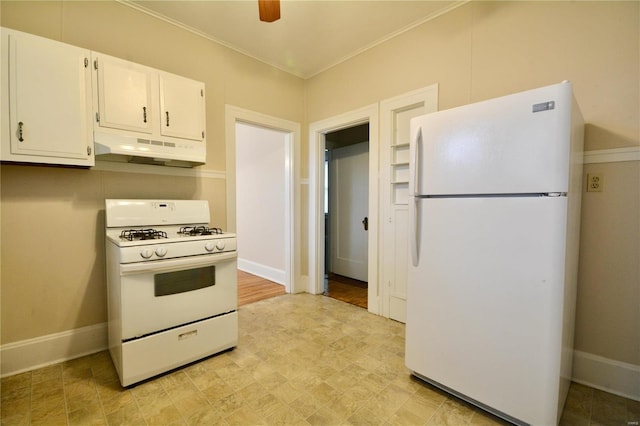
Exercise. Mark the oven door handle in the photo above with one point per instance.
(169, 265)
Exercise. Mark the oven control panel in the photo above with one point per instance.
(172, 250)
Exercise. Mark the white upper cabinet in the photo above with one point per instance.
(46, 101)
(124, 94)
(182, 107)
(132, 98)
(61, 104)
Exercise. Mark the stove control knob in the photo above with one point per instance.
(161, 251)
(220, 245)
(146, 253)
(209, 246)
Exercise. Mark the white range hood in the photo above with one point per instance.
(131, 149)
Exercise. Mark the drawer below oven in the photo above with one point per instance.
(149, 356)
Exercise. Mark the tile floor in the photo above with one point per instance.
(301, 359)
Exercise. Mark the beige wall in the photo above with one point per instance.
(608, 311)
(58, 283)
(53, 276)
(487, 49)
(477, 51)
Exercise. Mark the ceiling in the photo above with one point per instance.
(311, 36)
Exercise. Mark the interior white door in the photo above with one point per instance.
(348, 210)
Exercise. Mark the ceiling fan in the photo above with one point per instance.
(269, 10)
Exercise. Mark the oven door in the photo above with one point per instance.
(164, 294)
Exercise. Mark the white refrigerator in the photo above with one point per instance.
(494, 211)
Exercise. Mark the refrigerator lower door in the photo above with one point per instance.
(484, 303)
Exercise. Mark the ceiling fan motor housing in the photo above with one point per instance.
(269, 10)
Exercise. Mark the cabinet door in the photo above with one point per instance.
(124, 94)
(182, 107)
(49, 101)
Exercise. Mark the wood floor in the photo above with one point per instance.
(347, 289)
(252, 288)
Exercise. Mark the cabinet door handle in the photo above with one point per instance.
(20, 124)
(167, 113)
(144, 114)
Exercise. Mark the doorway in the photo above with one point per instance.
(291, 133)
(318, 132)
(260, 201)
(346, 214)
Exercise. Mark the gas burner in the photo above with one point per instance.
(142, 234)
(198, 230)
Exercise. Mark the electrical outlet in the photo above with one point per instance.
(595, 182)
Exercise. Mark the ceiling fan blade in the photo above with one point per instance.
(269, 10)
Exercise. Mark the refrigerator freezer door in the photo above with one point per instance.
(484, 303)
(504, 145)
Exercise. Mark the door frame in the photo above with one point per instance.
(234, 115)
(317, 142)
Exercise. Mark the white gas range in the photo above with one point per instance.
(172, 286)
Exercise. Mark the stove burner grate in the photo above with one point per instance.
(142, 234)
(198, 230)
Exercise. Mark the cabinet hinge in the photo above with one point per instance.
(202, 93)
(95, 64)
(97, 117)
(203, 134)
(88, 150)
(86, 62)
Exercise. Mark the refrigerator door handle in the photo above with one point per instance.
(414, 229)
(415, 166)
(414, 206)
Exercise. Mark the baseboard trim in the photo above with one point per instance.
(38, 352)
(264, 271)
(607, 374)
(592, 370)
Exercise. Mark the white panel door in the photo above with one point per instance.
(348, 208)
